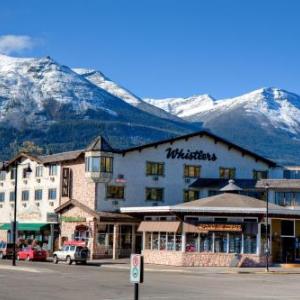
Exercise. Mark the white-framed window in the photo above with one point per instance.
(38, 194)
(2, 175)
(39, 171)
(53, 170)
(25, 195)
(52, 194)
(2, 197)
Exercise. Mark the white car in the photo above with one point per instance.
(71, 253)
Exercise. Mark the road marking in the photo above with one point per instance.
(24, 269)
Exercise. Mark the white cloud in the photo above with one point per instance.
(15, 43)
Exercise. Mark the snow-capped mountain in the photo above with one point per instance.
(265, 120)
(48, 103)
(184, 107)
(100, 80)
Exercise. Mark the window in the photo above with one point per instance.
(287, 198)
(190, 195)
(2, 175)
(25, 173)
(287, 228)
(191, 242)
(170, 241)
(38, 194)
(155, 168)
(227, 173)
(12, 173)
(154, 194)
(39, 171)
(221, 242)
(249, 244)
(162, 241)
(25, 195)
(99, 164)
(106, 164)
(12, 196)
(260, 174)
(155, 241)
(291, 174)
(235, 243)
(52, 194)
(115, 192)
(191, 171)
(2, 197)
(52, 170)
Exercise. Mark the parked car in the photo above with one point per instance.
(30, 253)
(6, 250)
(71, 253)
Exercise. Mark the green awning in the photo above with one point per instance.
(24, 226)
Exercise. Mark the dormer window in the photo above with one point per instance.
(53, 170)
(99, 164)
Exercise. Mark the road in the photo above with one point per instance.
(33, 281)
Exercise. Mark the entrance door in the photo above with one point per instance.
(288, 249)
(138, 243)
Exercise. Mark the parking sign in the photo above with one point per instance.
(136, 268)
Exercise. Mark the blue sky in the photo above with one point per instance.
(165, 48)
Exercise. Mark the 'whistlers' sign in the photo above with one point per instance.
(190, 155)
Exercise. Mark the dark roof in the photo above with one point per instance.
(108, 216)
(99, 144)
(229, 200)
(208, 134)
(219, 183)
(279, 183)
(57, 157)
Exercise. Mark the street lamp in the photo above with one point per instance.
(14, 229)
(267, 251)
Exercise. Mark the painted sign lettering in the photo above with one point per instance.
(190, 155)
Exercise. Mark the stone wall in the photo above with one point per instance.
(196, 259)
(83, 189)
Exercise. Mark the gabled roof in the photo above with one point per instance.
(99, 144)
(200, 134)
(101, 215)
(63, 156)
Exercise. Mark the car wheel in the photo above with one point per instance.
(69, 260)
(55, 259)
(1, 256)
(84, 262)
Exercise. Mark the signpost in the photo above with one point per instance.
(136, 272)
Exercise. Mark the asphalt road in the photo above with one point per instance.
(33, 281)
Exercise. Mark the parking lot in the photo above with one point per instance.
(32, 280)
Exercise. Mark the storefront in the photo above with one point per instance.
(222, 230)
(106, 234)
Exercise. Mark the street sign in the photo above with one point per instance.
(136, 268)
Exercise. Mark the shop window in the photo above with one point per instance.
(154, 194)
(12, 196)
(250, 244)
(287, 228)
(52, 194)
(115, 192)
(191, 242)
(206, 242)
(2, 197)
(192, 171)
(105, 235)
(53, 170)
(38, 194)
(2, 175)
(81, 234)
(190, 195)
(162, 241)
(221, 242)
(155, 241)
(39, 171)
(148, 241)
(25, 195)
(227, 173)
(155, 168)
(257, 175)
(235, 242)
(170, 241)
(178, 242)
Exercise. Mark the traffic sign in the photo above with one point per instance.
(136, 268)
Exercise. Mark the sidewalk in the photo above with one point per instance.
(124, 264)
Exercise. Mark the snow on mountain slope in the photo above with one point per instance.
(184, 107)
(100, 80)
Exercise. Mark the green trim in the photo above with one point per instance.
(24, 226)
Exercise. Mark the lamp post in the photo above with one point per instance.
(267, 251)
(14, 227)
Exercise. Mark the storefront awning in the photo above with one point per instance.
(162, 226)
(24, 226)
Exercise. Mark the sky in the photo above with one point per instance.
(164, 48)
